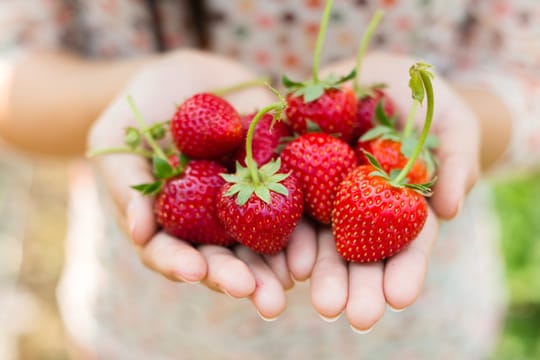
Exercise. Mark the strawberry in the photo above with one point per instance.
(377, 214)
(324, 103)
(260, 206)
(334, 112)
(266, 139)
(206, 126)
(388, 154)
(320, 162)
(372, 219)
(263, 226)
(366, 111)
(186, 204)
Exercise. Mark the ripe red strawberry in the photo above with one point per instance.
(320, 162)
(206, 126)
(186, 205)
(377, 214)
(372, 219)
(366, 111)
(263, 227)
(265, 142)
(388, 154)
(334, 112)
(260, 206)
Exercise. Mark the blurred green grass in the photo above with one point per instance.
(518, 205)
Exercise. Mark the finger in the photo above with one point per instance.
(173, 258)
(227, 273)
(269, 297)
(459, 161)
(302, 250)
(405, 273)
(366, 303)
(329, 278)
(136, 209)
(278, 264)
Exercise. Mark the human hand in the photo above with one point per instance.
(238, 272)
(363, 290)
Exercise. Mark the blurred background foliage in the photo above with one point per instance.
(518, 204)
(43, 336)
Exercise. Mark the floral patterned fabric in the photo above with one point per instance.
(116, 307)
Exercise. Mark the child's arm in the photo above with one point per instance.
(48, 100)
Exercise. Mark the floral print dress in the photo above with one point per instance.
(113, 305)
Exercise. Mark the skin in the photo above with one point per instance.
(360, 291)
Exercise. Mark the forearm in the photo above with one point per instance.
(494, 120)
(49, 101)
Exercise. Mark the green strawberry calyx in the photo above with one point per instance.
(256, 180)
(313, 89)
(421, 87)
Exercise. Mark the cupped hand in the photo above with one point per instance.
(363, 291)
(155, 90)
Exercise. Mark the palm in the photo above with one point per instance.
(363, 290)
(238, 272)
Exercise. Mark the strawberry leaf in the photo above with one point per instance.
(288, 83)
(381, 116)
(244, 194)
(378, 131)
(378, 173)
(149, 189)
(421, 189)
(263, 193)
(278, 188)
(343, 79)
(312, 92)
(162, 168)
(374, 162)
(312, 126)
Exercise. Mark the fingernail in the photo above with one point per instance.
(266, 318)
(182, 278)
(131, 217)
(394, 309)
(330, 319)
(362, 332)
(223, 290)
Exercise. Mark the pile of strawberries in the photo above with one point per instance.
(324, 150)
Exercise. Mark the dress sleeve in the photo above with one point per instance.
(503, 39)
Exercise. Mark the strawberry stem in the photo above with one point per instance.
(250, 163)
(262, 81)
(120, 150)
(422, 77)
(320, 40)
(142, 124)
(374, 22)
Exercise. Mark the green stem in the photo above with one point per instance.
(122, 150)
(425, 131)
(142, 125)
(250, 163)
(320, 40)
(375, 20)
(241, 86)
(410, 119)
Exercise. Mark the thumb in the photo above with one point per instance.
(120, 172)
